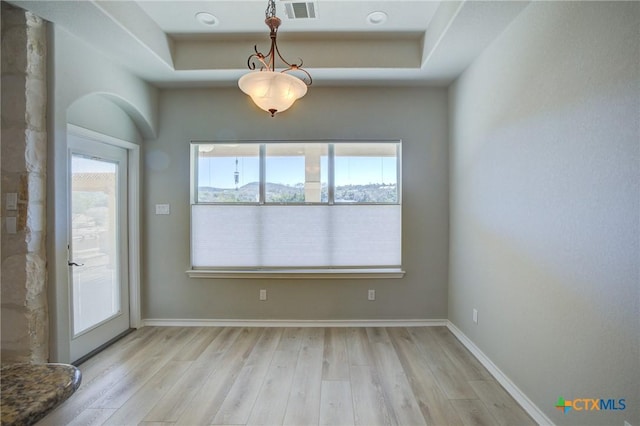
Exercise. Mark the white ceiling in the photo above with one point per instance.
(421, 41)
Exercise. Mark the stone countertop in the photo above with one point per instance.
(29, 391)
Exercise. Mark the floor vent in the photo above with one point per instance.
(300, 10)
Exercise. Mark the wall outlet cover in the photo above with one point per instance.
(11, 225)
(163, 209)
(12, 201)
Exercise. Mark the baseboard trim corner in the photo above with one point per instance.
(158, 322)
(522, 399)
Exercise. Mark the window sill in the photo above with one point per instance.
(298, 273)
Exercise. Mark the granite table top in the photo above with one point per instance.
(29, 391)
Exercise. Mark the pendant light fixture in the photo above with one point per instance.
(271, 90)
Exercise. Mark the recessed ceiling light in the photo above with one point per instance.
(207, 19)
(377, 18)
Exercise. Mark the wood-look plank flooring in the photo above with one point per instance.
(287, 376)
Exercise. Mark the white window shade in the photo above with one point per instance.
(298, 236)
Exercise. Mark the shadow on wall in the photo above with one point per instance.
(111, 115)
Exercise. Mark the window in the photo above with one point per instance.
(303, 207)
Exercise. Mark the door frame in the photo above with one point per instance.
(133, 217)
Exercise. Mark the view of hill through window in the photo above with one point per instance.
(278, 193)
(298, 173)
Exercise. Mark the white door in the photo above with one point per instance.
(98, 241)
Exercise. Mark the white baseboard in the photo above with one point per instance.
(522, 399)
(292, 323)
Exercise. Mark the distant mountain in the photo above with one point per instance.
(371, 193)
(278, 193)
(244, 194)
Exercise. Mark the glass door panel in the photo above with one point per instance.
(98, 244)
(94, 236)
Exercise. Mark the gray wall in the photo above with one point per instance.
(418, 116)
(545, 213)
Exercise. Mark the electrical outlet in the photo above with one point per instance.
(263, 294)
(371, 295)
(475, 316)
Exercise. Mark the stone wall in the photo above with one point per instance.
(25, 323)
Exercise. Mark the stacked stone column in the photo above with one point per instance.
(25, 323)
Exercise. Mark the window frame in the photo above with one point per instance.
(291, 272)
(262, 170)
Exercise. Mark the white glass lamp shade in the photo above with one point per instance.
(272, 91)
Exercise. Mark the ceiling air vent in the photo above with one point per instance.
(300, 10)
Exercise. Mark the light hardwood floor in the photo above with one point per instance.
(291, 376)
